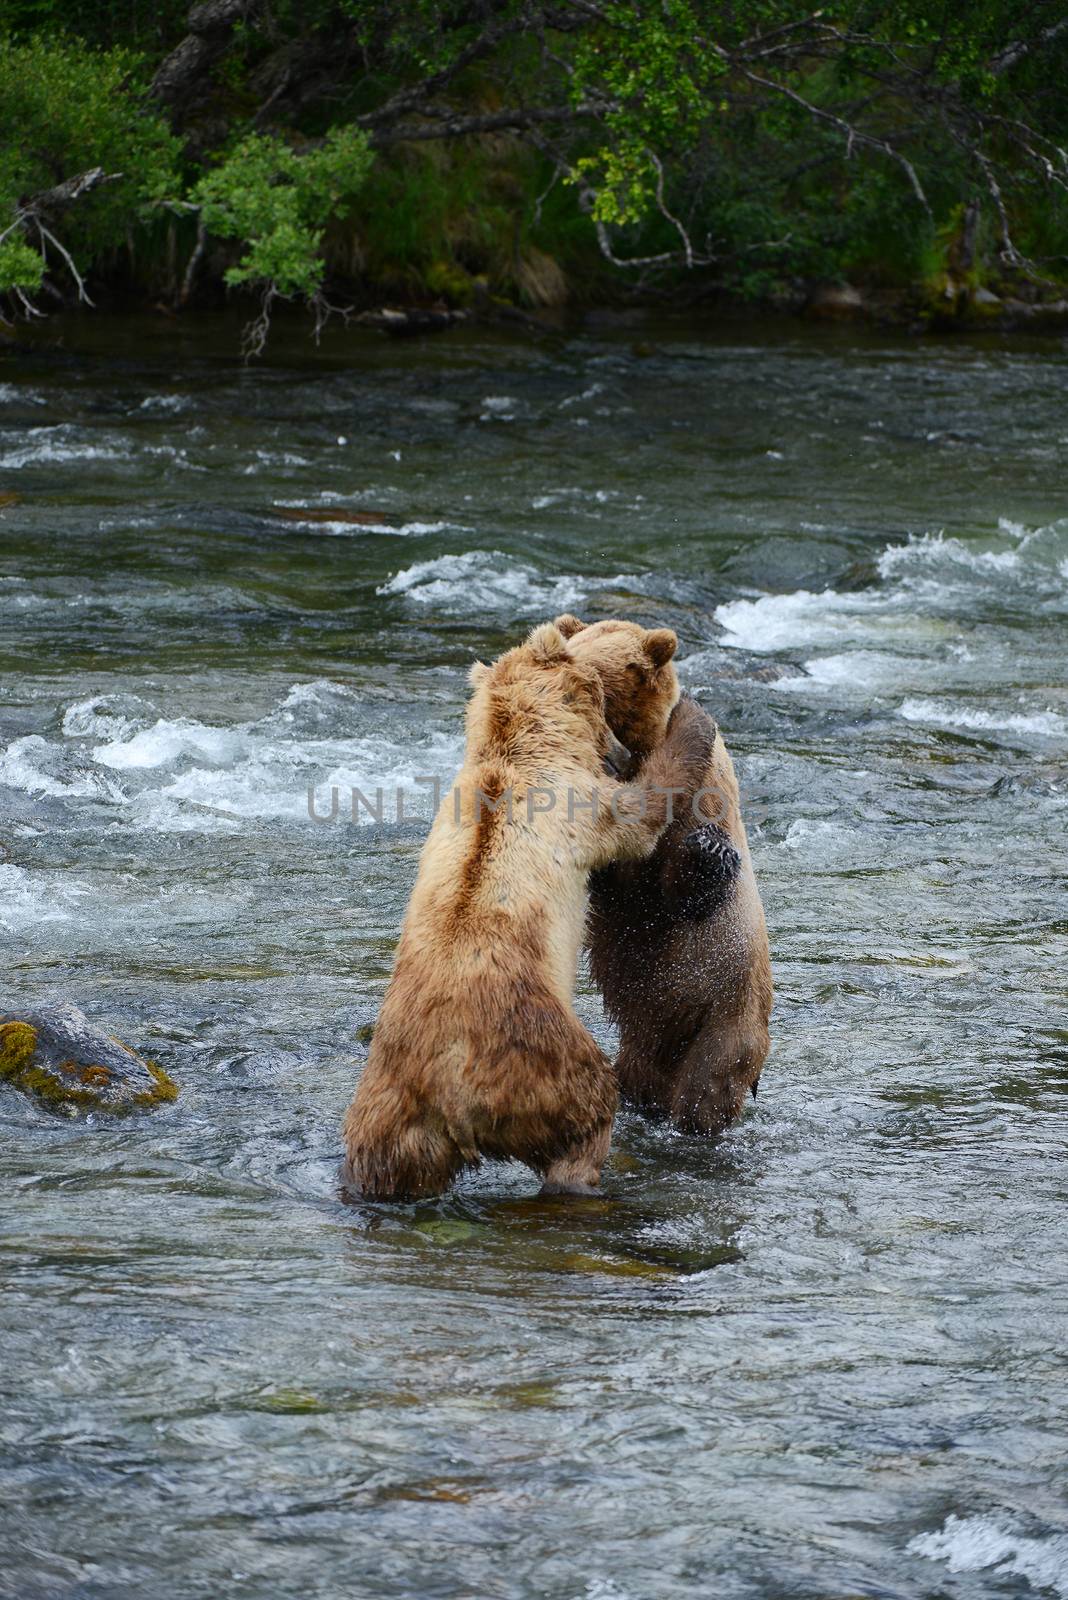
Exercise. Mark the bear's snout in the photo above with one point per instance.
(617, 758)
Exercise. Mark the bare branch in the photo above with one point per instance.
(1007, 58)
(49, 201)
(665, 213)
(47, 237)
(190, 275)
(1008, 251)
(28, 307)
(757, 43)
(254, 335)
(409, 99)
(853, 134)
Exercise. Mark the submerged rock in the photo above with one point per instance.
(58, 1055)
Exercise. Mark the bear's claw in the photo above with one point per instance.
(703, 872)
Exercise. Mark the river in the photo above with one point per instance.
(825, 1357)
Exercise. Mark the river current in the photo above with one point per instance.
(823, 1357)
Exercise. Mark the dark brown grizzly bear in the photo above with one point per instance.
(678, 941)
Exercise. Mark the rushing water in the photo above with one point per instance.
(823, 1358)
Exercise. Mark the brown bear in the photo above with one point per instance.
(678, 941)
(477, 1050)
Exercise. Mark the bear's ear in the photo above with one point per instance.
(477, 673)
(547, 645)
(569, 625)
(660, 645)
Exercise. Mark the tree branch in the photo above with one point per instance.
(48, 201)
(411, 98)
(47, 237)
(446, 124)
(1007, 58)
(853, 134)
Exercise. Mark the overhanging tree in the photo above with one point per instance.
(748, 139)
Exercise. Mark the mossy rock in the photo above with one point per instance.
(56, 1054)
(449, 282)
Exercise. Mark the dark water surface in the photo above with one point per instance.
(825, 1358)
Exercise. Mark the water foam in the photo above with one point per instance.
(168, 741)
(974, 1544)
(271, 781)
(25, 901)
(14, 394)
(1046, 724)
(321, 701)
(355, 530)
(860, 670)
(498, 408)
(817, 839)
(489, 580)
(57, 445)
(780, 621)
(102, 716)
(584, 498)
(934, 552)
(34, 766)
(926, 583)
(164, 402)
(178, 774)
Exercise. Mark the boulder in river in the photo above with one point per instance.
(58, 1055)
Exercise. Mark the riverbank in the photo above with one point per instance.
(837, 313)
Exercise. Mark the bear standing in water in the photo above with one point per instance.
(678, 942)
(477, 1050)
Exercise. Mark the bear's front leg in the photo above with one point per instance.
(699, 872)
(634, 818)
(578, 1170)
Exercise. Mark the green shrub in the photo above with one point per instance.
(65, 109)
(278, 200)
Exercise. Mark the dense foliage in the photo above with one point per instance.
(65, 111)
(436, 149)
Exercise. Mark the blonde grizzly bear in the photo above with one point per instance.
(678, 942)
(477, 1050)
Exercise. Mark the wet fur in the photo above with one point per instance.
(477, 1050)
(678, 942)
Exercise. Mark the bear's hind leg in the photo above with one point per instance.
(578, 1170)
(645, 1083)
(409, 1160)
(718, 1071)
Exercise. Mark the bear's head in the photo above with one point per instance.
(538, 699)
(641, 686)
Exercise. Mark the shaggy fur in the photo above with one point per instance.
(678, 942)
(477, 1050)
